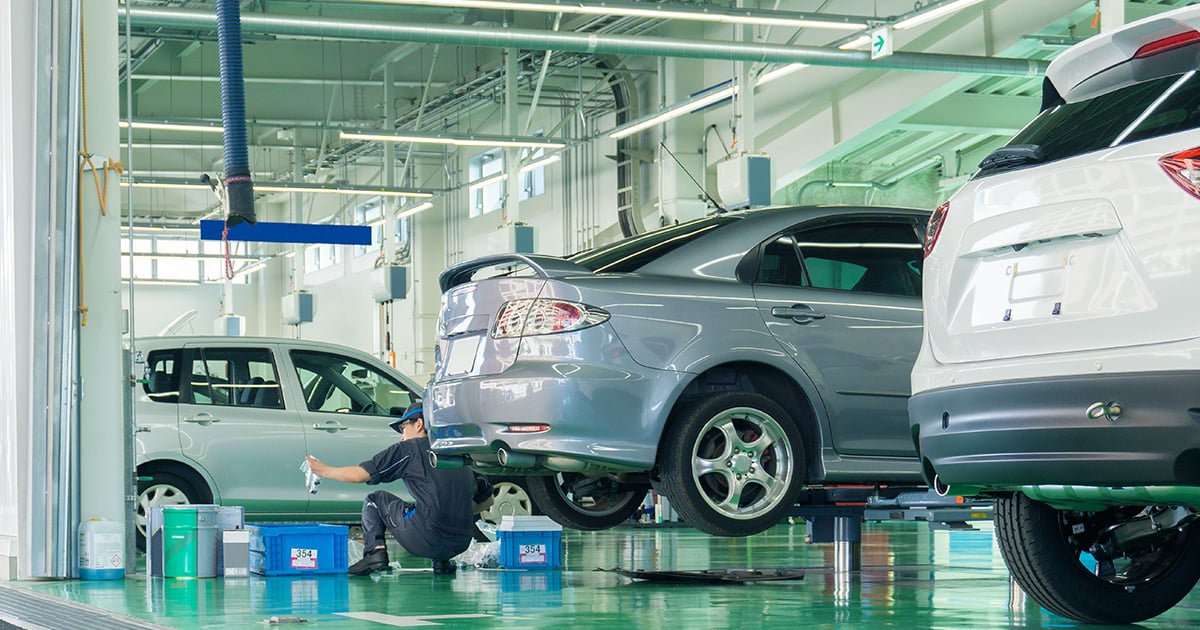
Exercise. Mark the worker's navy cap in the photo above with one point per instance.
(412, 413)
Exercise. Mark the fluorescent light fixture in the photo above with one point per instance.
(253, 267)
(933, 12)
(168, 126)
(491, 179)
(165, 283)
(672, 112)
(858, 43)
(280, 187)
(546, 161)
(781, 71)
(144, 256)
(458, 141)
(662, 12)
(415, 209)
(852, 184)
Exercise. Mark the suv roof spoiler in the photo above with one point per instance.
(544, 266)
(1097, 65)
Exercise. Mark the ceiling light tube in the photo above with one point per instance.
(672, 112)
(933, 12)
(253, 267)
(543, 162)
(515, 142)
(662, 11)
(169, 126)
(781, 71)
(415, 209)
(858, 43)
(277, 187)
(486, 181)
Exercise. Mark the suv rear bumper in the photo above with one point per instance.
(1038, 431)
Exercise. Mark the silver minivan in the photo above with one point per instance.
(229, 420)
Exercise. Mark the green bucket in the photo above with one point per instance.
(190, 541)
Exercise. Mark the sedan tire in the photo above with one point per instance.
(1046, 550)
(732, 463)
(585, 503)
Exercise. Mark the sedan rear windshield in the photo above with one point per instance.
(1137, 112)
(630, 254)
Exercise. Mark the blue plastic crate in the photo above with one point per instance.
(530, 550)
(298, 549)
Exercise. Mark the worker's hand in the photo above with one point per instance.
(479, 507)
(318, 469)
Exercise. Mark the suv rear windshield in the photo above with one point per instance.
(1137, 112)
(630, 254)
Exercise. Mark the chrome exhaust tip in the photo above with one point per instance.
(939, 487)
(508, 459)
(446, 461)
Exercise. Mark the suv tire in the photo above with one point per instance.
(604, 505)
(700, 466)
(166, 488)
(1045, 560)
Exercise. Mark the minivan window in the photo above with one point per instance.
(337, 384)
(239, 377)
(1136, 112)
(161, 382)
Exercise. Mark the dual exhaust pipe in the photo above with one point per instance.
(507, 458)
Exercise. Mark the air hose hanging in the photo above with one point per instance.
(239, 189)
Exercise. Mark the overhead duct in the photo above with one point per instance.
(595, 43)
(239, 189)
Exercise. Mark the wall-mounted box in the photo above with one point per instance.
(511, 239)
(230, 325)
(297, 308)
(744, 181)
(389, 283)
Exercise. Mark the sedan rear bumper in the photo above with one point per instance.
(1039, 431)
(602, 414)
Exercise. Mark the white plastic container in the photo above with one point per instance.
(101, 550)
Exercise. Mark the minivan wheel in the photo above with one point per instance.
(732, 463)
(163, 489)
(1141, 569)
(582, 502)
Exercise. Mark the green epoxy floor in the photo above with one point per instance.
(912, 577)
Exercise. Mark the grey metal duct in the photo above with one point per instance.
(596, 43)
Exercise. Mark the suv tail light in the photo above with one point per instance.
(1167, 44)
(1184, 169)
(934, 229)
(540, 316)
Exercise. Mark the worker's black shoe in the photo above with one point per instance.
(376, 560)
(444, 567)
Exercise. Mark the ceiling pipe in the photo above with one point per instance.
(595, 43)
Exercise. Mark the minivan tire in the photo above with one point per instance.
(698, 463)
(1035, 543)
(166, 488)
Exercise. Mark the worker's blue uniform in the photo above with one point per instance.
(440, 524)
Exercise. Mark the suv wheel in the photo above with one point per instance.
(732, 463)
(586, 503)
(162, 489)
(1140, 570)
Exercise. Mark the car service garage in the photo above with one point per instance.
(476, 313)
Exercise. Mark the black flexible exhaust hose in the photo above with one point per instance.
(239, 189)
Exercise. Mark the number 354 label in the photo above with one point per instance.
(304, 558)
(532, 554)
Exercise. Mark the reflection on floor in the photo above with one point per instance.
(911, 577)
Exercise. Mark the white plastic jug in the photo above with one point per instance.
(101, 550)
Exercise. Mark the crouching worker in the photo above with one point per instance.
(439, 525)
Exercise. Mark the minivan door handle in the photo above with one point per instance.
(799, 313)
(331, 426)
(203, 418)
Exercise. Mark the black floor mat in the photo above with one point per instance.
(711, 576)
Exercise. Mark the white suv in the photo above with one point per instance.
(1060, 369)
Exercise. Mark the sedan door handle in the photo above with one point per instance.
(799, 313)
(203, 418)
(330, 427)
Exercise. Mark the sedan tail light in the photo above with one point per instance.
(1184, 169)
(934, 229)
(540, 316)
(1166, 44)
